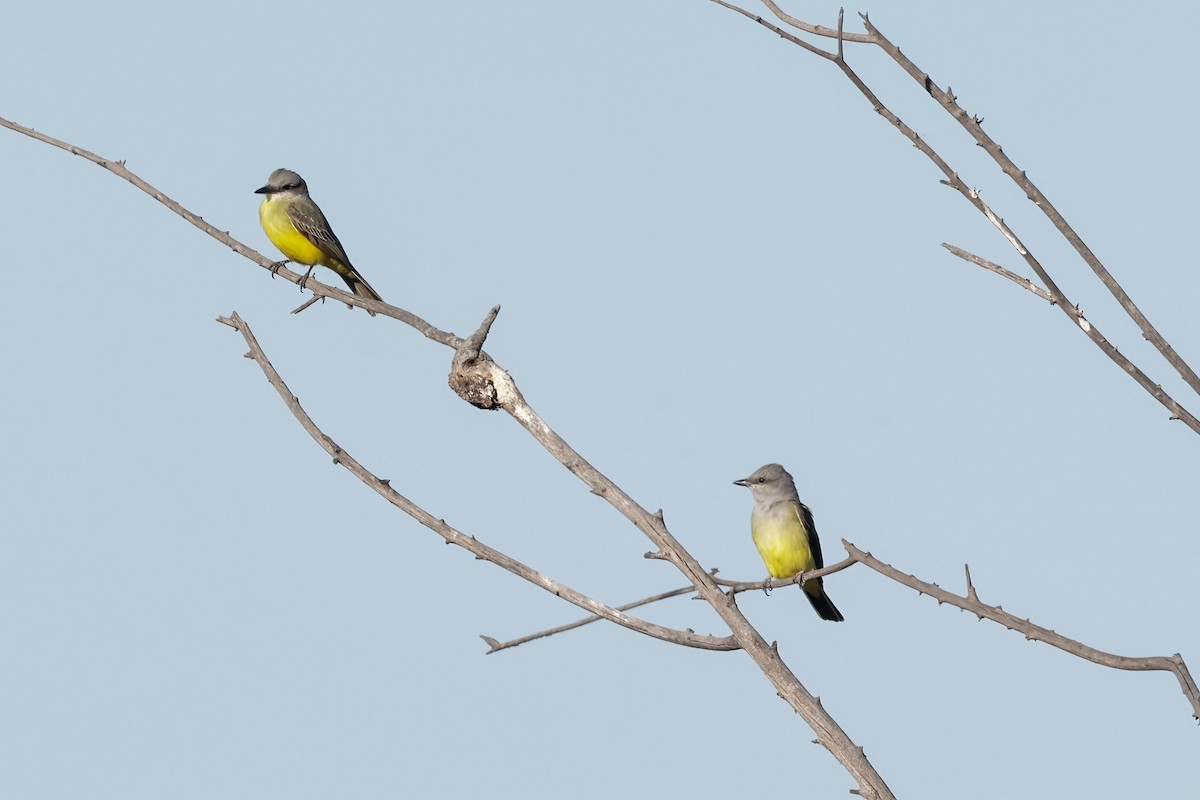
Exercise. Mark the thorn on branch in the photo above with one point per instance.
(970, 585)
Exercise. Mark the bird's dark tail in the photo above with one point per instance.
(360, 287)
(821, 603)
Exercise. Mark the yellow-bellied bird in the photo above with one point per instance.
(295, 224)
(783, 531)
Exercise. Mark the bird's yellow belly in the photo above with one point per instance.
(279, 229)
(784, 549)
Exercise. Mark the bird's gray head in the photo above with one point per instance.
(770, 482)
(284, 180)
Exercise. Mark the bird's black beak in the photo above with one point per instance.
(263, 190)
(742, 482)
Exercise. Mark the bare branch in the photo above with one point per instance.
(1173, 664)
(1023, 282)
(734, 587)
(451, 535)
(1092, 332)
(819, 30)
(489, 379)
(317, 288)
(495, 645)
(972, 125)
(744, 635)
(777, 30)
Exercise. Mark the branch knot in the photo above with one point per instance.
(473, 373)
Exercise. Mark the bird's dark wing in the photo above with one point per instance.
(814, 543)
(309, 220)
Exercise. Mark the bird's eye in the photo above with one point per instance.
(762, 480)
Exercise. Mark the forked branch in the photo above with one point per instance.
(968, 602)
(973, 126)
(452, 536)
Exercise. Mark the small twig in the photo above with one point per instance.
(1023, 282)
(307, 303)
(1092, 332)
(736, 587)
(841, 33)
(474, 343)
(495, 645)
(970, 586)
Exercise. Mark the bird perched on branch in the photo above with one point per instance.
(295, 224)
(783, 531)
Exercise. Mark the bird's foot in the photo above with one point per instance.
(304, 280)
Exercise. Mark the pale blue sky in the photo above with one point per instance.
(710, 254)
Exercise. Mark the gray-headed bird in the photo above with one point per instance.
(295, 224)
(783, 531)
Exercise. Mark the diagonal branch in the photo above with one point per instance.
(478, 369)
(451, 535)
(780, 31)
(496, 645)
(1092, 332)
(974, 127)
(1020, 280)
(973, 197)
(318, 289)
(478, 372)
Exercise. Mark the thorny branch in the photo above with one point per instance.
(471, 368)
(477, 373)
(973, 125)
(318, 289)
(733, 587)
(1174, 664)
(450, 534)
(478, 379)
(969, 602)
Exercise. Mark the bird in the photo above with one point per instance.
(295, 224)
(783, 531)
